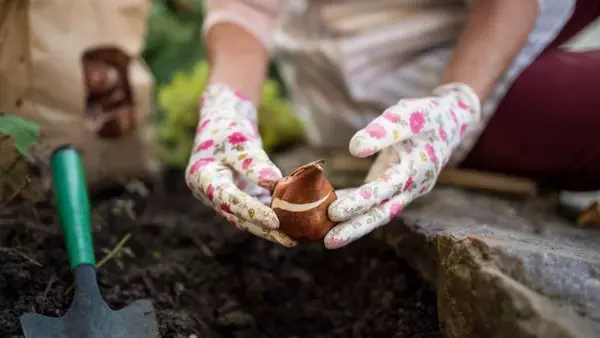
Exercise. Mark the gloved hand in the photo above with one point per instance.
(422, 134)
(229, 170)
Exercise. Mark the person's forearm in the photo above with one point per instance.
(237, 59)
(495, 33)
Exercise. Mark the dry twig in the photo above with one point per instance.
(28, 224)
(108, 256)
(50, 282)
(114, 251)
(12, 251)
(16, 193)
(590, 216)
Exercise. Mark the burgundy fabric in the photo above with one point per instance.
(548, 125)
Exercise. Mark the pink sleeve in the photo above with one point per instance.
(258, 17)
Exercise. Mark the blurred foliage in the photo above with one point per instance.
(174, 52)
(17, 136)
(178, 100)
(23, 133)
(174, 37)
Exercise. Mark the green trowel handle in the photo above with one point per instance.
(73, 205)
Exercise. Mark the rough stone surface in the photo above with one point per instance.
(500, 267)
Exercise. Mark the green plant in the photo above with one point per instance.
(178, 102)
(17, 135)
(173, 37)
(23, 133)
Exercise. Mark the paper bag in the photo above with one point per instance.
(74, 67)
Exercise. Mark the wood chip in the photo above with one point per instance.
(590, 216)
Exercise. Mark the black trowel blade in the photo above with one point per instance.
(90, 317)
(136, 320)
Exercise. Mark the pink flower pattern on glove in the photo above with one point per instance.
(415, 138)
(417, 121)
(228, 169)
(376, 130)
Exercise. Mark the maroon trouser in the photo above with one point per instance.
(548, 125)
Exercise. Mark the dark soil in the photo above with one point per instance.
(207, 279)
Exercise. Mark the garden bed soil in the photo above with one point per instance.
(209, 280)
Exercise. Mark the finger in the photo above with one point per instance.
(396, 179)
(347, 232)
(397, 123)
(343, 192)
(275, 236)
(420, 162)
(197, 168)
(259, 193)
(251, 189)
(254, 164)
(264, 199)
(220, 188)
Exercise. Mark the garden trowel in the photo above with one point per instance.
(89, 316)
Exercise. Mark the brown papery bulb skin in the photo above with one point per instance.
(300, 201)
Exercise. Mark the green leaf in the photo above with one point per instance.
(24, 132)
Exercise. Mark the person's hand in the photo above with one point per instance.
(421, 134)
(229, 170)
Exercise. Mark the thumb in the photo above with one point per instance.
(376, 136)
(400, 122)
(256, 166)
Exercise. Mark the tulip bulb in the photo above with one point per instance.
(300, 201)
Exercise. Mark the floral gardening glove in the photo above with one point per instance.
(421, 133)
(229, 170)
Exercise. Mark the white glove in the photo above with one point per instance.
(229, 170)
(421, 134)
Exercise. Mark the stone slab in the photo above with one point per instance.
(500, 267)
